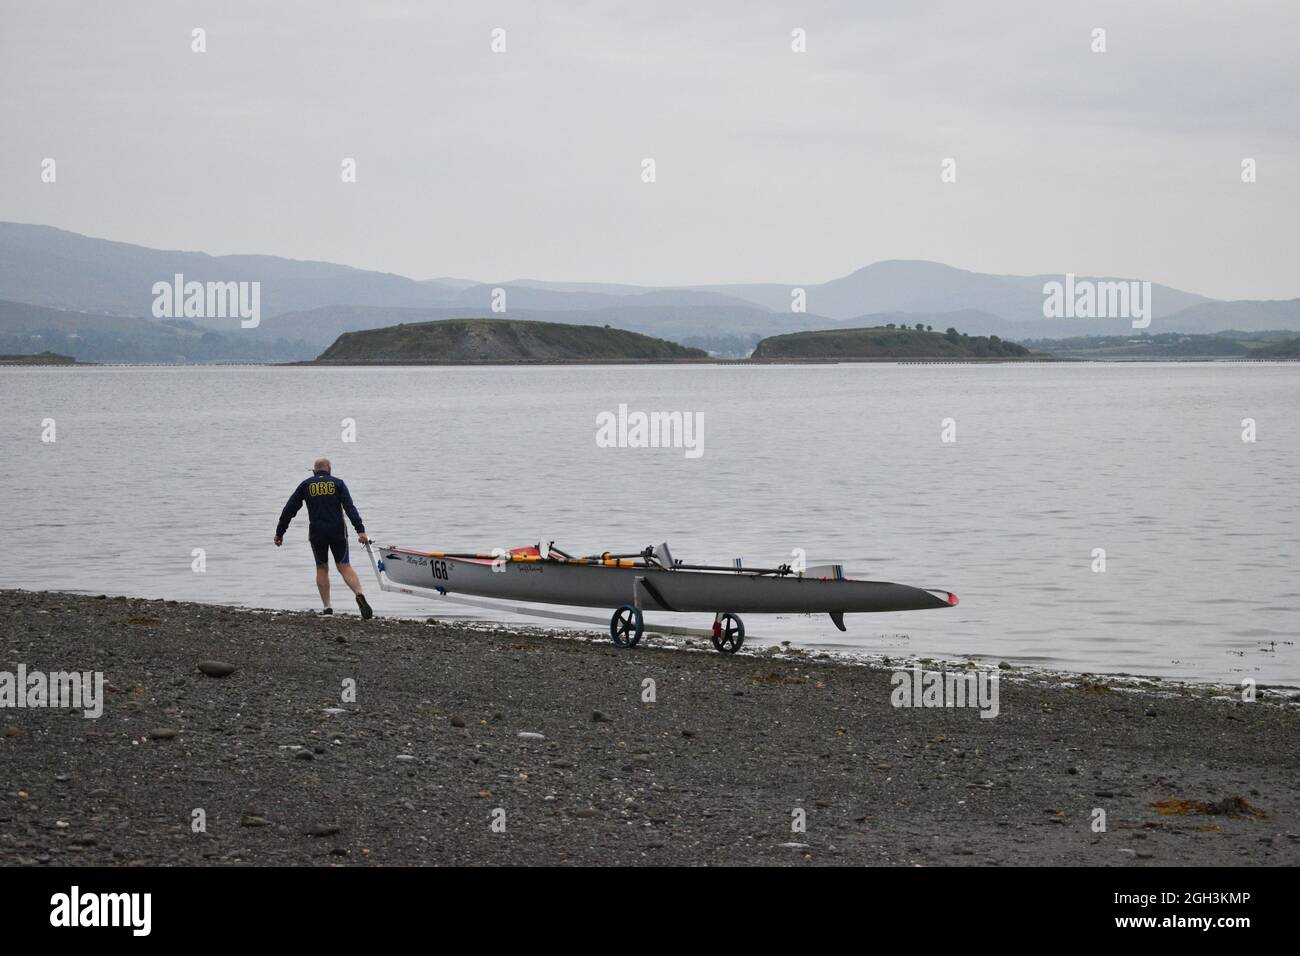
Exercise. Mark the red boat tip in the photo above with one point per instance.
(952, 599)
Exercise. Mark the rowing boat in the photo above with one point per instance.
(648, 580)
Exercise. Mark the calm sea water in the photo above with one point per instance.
(1200, 529)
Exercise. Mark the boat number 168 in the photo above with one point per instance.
(440, 570)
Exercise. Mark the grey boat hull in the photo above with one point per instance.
(651, 589)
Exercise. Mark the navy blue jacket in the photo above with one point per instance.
(327, 498)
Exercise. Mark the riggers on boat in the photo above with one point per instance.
(648, 580)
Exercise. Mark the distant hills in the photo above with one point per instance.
(921, 286)
(1290, 349)
(41, 265)
(95, 337)
(1169, 346)
(1244, 315)
(892, 286)
(499, 341)
(306, 305)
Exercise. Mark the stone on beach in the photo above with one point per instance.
(216, 668)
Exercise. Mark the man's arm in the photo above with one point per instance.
(345, 499)
(291, 508)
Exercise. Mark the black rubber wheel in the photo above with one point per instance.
(732, 634)
(626, 626)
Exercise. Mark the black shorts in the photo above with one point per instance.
(322, 547)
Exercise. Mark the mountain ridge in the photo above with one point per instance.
(889, 285)
(306, 304)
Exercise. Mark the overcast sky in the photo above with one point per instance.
(771, 165)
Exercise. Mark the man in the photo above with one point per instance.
(327, 498)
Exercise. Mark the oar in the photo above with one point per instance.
(604, 559)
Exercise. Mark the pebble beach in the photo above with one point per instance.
(234, 736)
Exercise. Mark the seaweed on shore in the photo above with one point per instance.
(1229, 806)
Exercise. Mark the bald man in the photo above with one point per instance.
(327, 499)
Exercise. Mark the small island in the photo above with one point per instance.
(886, 343)
(498, 341)
(40, 358)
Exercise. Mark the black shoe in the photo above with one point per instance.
(366, 613)
(328, 610)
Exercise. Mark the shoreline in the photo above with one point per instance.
(695, 640)
(711, 360)
(601, 363)
(712, 771)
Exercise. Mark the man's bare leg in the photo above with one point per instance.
(323, 583)
(350, 576)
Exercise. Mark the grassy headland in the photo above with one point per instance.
(39, 358)
(500, 340)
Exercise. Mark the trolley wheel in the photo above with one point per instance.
(728, 633)
(626, 626)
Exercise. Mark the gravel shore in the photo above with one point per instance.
(456, 728)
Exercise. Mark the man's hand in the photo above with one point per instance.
(278, 541)
(362, 537)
